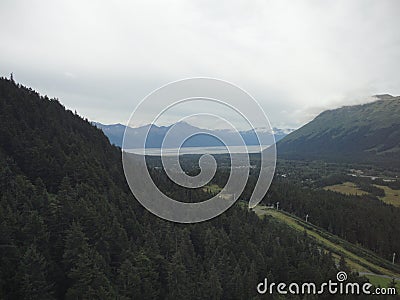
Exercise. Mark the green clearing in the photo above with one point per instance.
(357, 258)
(391, 196)
(212, 188)
(215, 189)
(381, 281)
(347, 188)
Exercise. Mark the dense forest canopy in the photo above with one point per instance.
(71, 229)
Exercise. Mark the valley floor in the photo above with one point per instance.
(368, 267)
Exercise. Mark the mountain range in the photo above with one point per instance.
(115, 133)
(367, 133)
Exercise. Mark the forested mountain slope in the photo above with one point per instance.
(70, 228)
(368, 133)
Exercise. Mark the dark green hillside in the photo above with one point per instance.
(368, 133)
(48, 142)
(70, 228)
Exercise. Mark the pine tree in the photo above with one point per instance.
(177, 278)
(83, 265)
(128, 281)
(343, 265)
(33, 273)
(213, 287)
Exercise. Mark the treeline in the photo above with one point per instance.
(365, 220)
(359, 219)
(80, 244)
(70, 228)
(364, 183)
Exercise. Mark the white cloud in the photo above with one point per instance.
(296, 57)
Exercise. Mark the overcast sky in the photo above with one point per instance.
(296, 58)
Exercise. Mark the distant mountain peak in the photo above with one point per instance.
(384, 97)
(157, 133)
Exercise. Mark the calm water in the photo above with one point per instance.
(198, 150)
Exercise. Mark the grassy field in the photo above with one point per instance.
(213, 188)
(340, 247)
(347, 188)
(391, 196)
(381, 281)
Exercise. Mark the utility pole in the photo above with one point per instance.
(394, 256)
(306, 218)
(277, 205)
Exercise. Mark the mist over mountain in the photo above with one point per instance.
(115, 133)
(368, 133)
